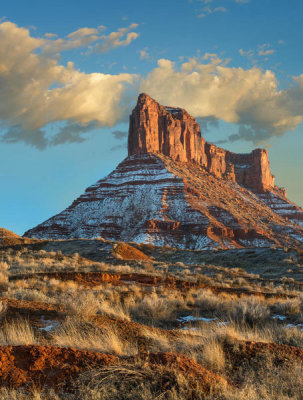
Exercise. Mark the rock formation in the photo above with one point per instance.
(176, 189)
(173, 132)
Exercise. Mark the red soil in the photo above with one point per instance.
(126, 252)
(46, 365)
(57, 366)
(34, 311)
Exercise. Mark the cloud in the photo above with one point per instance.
(248, 53)
(37, 92)
(123, 37)
(90, 36)
(144, 55)
(44, 103)
(84, 32)
(119, 135)
(206, 123)
(208, 10)
(250, 98)
(51, 35)
(264, 50)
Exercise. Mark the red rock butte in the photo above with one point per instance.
(173, 132)
(176, 189)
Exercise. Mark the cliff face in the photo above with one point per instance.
(176, 189)
(173, 132)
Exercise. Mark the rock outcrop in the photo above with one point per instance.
(176, 189)
(173, 132)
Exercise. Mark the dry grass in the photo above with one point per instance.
(249, 318)
(17, 333)
(249, 311)
(76, 333)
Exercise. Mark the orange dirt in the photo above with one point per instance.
(32, 310)
(56, 367)
(46, 365)
(126, 252)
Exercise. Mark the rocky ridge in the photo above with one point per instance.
(176, 189)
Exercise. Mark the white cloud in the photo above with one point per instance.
(208, 10)
(35, 90)
(51, 35)
(83, 37)
(144, 55)
(83, 32)
(250, 98)
(266, 52)
(123, 37)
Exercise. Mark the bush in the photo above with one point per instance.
(249, 311)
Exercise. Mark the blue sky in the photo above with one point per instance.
(70, 73)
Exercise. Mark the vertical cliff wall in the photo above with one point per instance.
(173, 132)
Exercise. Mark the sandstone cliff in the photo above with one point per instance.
(173, 132)
(176, 189)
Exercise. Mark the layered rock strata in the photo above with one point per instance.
(176, 189)
(153, 199)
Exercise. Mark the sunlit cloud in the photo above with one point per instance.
(123, 37)
(144, 55)
(36, 91)
(250, 98)
(43, 102)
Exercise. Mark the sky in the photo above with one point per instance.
(70, 73)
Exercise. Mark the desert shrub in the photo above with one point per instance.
(82, 304)
(267, 381)
(19, 394)
(286, 307)
(4, 266)
(207, 301)
(87, 303)
(17, 333)
(249, 311)
(30, 295)
(153, 308)
(128, 382)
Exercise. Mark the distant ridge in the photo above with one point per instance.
(9, 238)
